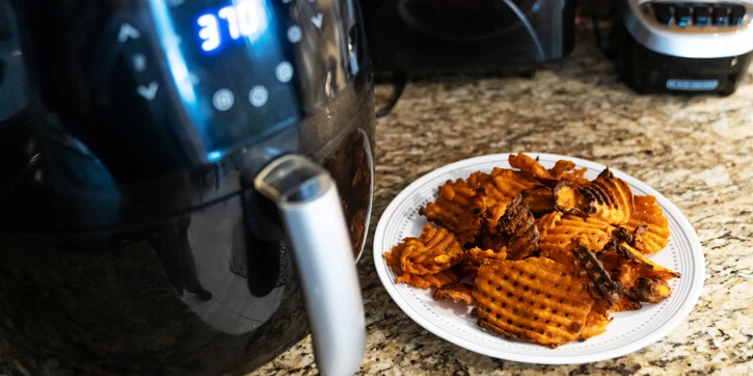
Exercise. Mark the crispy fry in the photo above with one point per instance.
(440, 279)
(539, 199)
(506, 184)
(457, 292)
(475, 257)
(558, 241)
(650, 290)
(549, 280)
(565, 170)
(626, 304)
(393, 257)
(568, 199)
(608, 289)
(648, 225)
(607, 198)
(528, 165)
(453, 210)
(610, 199)
(435, 250)
(518, 227)
(645, 266)
(534, 300)
(548, 221)
(596, 323)
(610, 260)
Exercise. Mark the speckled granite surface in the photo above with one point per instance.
(697, 151)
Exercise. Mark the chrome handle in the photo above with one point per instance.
(310, 208)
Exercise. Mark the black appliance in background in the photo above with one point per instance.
(669, 46)
(185, 186)
(419, 38)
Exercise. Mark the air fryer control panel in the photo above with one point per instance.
(229, 66)
(168, 85)
(699, 16)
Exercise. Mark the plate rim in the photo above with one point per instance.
(697, 258)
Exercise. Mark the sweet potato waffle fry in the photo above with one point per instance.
(544, 255)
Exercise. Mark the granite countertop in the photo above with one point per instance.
(696, 151)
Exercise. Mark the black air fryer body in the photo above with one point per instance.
(134, 237)
(428, 37)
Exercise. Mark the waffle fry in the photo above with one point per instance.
(539, 199)
(562, 170)
(645, 266)
(626, 304)
(454, 210)
(570, 231)
(551, 254)
(506, 184)
(457, 292)
(650, 290)
(565, 171)
(518, 227)
(547, 221)
(475, 257)
(529, 165)
(610, 199)
(607, 198)
(648, 225)
(440, 279)
(568, 199)
(434, 251)
(534, 300)
(608, 289)
(596, 321)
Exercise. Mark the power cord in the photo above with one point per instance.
(398, 81)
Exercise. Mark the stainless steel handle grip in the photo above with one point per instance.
(310, 208)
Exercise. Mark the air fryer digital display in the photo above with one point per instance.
(245, 19)
(231, 66)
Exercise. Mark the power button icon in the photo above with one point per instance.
(223, 99)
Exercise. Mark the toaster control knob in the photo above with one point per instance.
(663, 13)
(682, 15)
(721, 16)
(701, 16)
(736, 15)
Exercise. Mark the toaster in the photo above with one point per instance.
(684, 47)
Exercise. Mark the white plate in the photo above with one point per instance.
(628, 332)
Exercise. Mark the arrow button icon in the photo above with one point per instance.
(139, 62)
(148, 92)
(317, 20)
(127, 31)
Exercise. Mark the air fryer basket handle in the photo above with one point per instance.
(310, 208)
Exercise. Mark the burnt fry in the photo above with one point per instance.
(608, 289)
(539, 199)
(518, 227)
(650, 290)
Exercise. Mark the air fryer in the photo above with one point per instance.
(426, 37)
(185, 186)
